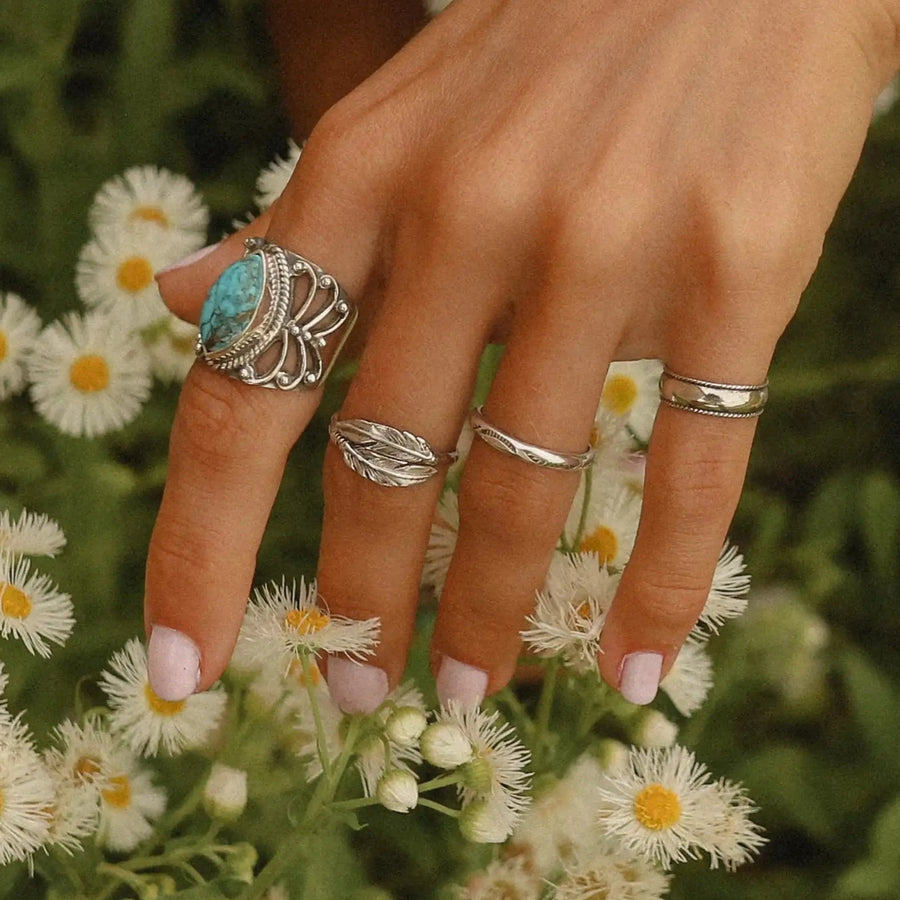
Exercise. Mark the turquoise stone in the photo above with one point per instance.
(231, 303)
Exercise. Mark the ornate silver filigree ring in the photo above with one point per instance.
(274, 319)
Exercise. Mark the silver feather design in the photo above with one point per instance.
(387, 456)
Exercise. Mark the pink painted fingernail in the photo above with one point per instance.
(639, 680)
(188, 260)
(460, 682)
(356, 687)
(173, 664)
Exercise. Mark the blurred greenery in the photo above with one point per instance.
(805, 709)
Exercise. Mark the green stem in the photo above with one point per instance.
(358, 803)
(585, 500)
(272, 870)
(321, 738)
(439, 782)
(431, 804)
(545, 707)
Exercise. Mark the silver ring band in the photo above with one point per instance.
(388, 456)
(709, 398)
(530, 453)
(257, 326)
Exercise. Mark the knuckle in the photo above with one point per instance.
(514, 506)
(670, 599)
(219, 422)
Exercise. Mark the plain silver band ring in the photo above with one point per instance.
(386, 455)
(709, 398)
(530, 453)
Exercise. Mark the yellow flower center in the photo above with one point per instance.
(14, 602)
(306, 621)
(162, 707)
(3, 346)
(584, 610)
(296, 672)
(151, 214)
(603, 542)
(134, 274)
(89, 373)
(657, 808)
(86, 768)
(619, 394)
(118, 794)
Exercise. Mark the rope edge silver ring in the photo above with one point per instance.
(529, 453)
(711, 398)
(386, 455)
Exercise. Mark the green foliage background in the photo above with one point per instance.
(89, 87)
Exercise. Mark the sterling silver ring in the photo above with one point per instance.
(385, 455)
(530, 453)
(709, 398)
(259, 324)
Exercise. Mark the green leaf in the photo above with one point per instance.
(18, 70)
(873, 703)
(879, 520)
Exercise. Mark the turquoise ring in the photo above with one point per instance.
(274, 319)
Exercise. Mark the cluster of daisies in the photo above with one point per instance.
(91, 783)
(91, 372)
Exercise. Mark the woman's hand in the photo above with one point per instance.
(603, 180)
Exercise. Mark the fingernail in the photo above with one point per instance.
(173, 664)
(639, 680)
(188, 260)
(460, 682)
(356, 687)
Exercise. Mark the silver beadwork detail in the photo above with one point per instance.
(385, 455)
(529, 453)
(710, 398)
(292, 328)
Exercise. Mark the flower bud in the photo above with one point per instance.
(240, 863)
(445, 745)
(611, 754)
(485, 822)
(477, 774)
(398, 791)
(405, 726)
(225, 794)
(655, 730)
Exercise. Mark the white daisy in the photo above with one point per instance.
(733, 838)
(170, 346)
(571, 610)
(83, 751)
(503, 879)
(75, 812)
(32, 534)
(147, 723)
(284, 621)
(129, 802)
(609, 525)
(26, 793)
(560, 823)
(690, 678)
(661, 807)
(19, 328)
(728, 594)
(273, 179)
(631, 391)
(116, 268)
(606, 873)
(496, 771)
(441, 542)
(31, 607)
(144, 194)
(89, 374)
